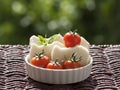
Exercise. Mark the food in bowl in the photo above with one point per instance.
(59, 59)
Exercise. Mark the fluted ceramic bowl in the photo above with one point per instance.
(53, 76)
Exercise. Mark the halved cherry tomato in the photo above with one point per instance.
(72, 39)
(54, 65)
(40, 60)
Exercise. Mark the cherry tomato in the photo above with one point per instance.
(71, 39)
(54, 65)
(40, 60)
(71, 64)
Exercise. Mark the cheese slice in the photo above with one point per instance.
(36, 49)
(84, 43)
(34, 39)
(63, 53)
(59, 38)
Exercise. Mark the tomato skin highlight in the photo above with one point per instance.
(40, 61)
(53, 65)
(71, 64)
(71, 39)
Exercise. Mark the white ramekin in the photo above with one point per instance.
(64, 76)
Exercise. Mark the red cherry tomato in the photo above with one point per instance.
(71, 64)
(40, 60)
(54, 65)
(71, 39)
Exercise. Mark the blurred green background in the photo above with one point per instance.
(96, 20)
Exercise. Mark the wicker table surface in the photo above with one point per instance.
(105, 73)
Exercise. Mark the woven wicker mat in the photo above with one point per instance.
(105, 73)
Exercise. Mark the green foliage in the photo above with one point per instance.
(44, 41)
(96, 20)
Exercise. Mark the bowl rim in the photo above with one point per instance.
(61, 70)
